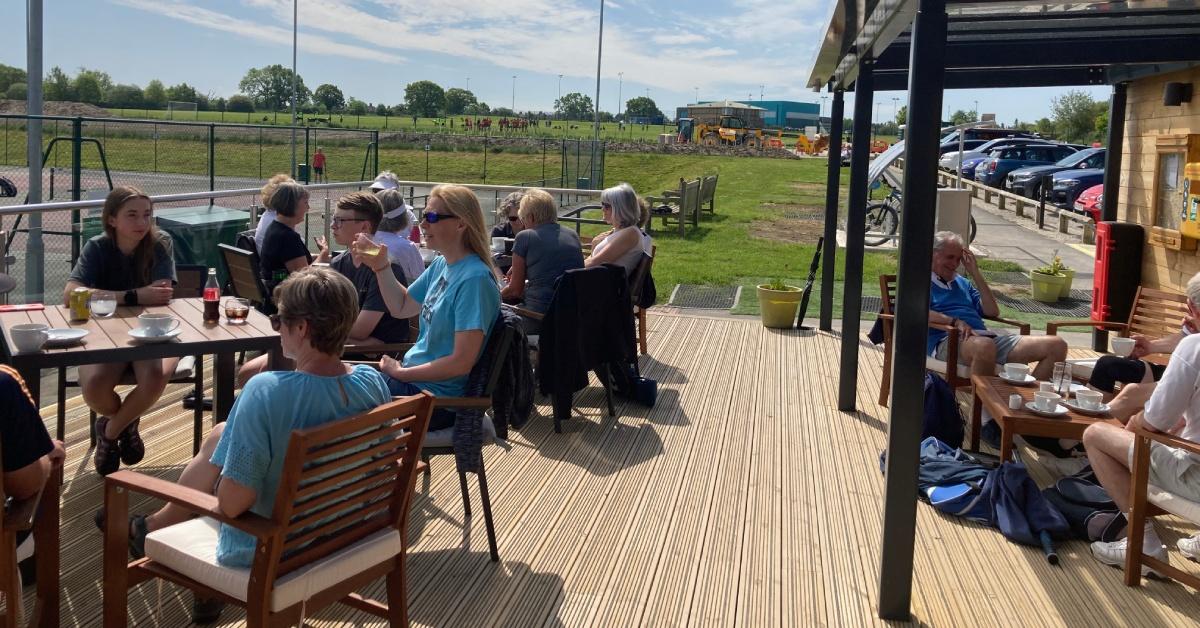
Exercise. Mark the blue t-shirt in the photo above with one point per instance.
(960, 301)
(454, 297)
(254, 444)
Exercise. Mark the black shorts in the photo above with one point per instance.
(318, 170)
(1111, 369)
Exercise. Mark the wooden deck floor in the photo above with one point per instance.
(742, 499)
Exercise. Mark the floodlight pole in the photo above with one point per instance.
(34, 253)
(295, 28)
(596, 113)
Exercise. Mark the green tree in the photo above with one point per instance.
(642, 106)
(478, 109)
(902, 115)
(1044, 126)
(1101, 122)
(503, 112)
(87, 89)
(574, 106)
(183, 93)
(10, 75)
(130, 96)
(1074, 116)
(961, 117)
(240, 103)
(381, 109)
(57, 85)
(271, 87)
(17, 91)
(330, 97)
(424, 98)
(458, 100)
(102, 78)
(155, 95)
(356, 107)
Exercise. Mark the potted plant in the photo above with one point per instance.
(1051, 282)
(778, 303)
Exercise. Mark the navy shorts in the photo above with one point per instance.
(441, 418)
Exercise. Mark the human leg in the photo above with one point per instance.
(1111, 370)
(98, 382)
(980, 353)
(1045, 350)
(1130, 400)
(152, 377)
(250, 369)
(199, 474)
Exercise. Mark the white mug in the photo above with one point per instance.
(1089, 399)
(158, 324)
(498, 244)
(29, 337)
(1046, 386)
(1122, 347)
(1046, 401)
(1016, 370)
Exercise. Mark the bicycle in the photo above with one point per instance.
(883, 218)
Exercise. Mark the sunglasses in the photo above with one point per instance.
(276, 322)
(513, 218)
(433, 217)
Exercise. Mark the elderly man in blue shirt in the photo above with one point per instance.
(954, 301)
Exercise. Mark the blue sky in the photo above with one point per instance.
(373, 48)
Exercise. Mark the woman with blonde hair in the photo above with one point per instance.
(456, 297)
(541, 254)
(268, 215)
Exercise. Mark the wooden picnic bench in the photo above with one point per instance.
(684, 205)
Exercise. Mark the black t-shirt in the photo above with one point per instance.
(503, 230)
(281, 244)
(23, 436)
(103, 266)
(389, 329)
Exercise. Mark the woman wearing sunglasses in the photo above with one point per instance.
(456, 297)
(626, 243)
(508, 220)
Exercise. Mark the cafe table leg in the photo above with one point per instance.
(1006, 442)
(976, 418)
(223, 386)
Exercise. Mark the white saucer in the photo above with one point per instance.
(1103, 409)
(1059, 410)
(62, 337)
(1029, 379)
(140, 333)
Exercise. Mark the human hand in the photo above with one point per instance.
(1192, 323)
(157, 293)
(969, 263)
(964, 330)
(58, 454)
(1141, 346)
(323, 246)
(364, 251)
(390, 366)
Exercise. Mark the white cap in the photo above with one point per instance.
(383, 184)
(395, 213)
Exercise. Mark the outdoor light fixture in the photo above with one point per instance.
(1175, 94)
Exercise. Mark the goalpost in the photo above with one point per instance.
(174, 106)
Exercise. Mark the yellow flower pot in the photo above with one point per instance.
(1047, 288)
(778, 307)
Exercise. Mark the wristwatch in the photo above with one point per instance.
(131, 297)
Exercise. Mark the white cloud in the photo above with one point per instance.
(678, 39)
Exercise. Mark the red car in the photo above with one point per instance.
(1090, 202)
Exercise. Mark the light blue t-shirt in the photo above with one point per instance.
(958, 299)
(462, 296)
(254, 444)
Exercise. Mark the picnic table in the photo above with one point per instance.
(108, 340)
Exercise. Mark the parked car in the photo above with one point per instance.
(993, 170)
(968, 167)
(952, 159)
(967, 145)
(1069, 184)
(1091, 201)
(984, 133)
(1028, 181)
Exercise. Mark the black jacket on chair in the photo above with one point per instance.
(588, 325)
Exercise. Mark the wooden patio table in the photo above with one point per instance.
(108, 340)
(992, 393)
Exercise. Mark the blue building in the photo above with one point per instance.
(788, 113)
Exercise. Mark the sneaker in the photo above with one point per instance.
(137, 532)
(130, 443)
(206, 610)
(1189, 547)
(108, 453)
(1114, 554)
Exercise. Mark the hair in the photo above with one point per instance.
(323, 298)
(365, 206)
(269, 188)
(510, 203)
(624, 201)
(390, 200)
(644, 208)
(462, 202)
(537, 208)
(942, 238)
(286, 198)
(388, 175)
(1193, 290)
(144, 254)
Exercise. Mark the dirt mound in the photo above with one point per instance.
(57, 108)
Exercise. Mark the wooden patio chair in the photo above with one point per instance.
(190, 369)
(1155, 313)
(339, 522)
(684, 205)
(1147, 500)
(39, 514)
(636, 282)
(245, 281)
(957, 378)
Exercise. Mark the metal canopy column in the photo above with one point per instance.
(912, 307)
(1112, 176)
(856, 225)
(833, 194)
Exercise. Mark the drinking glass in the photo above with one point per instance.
(103, 304)
(1062, 378)
(236, 310)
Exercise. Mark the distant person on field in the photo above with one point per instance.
(318, 166)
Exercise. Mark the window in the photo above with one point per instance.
(1168, 189)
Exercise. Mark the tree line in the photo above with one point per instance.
(269, 88)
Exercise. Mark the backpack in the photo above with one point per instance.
(1088, 508)
(7, 189)
(941, 417)
(649, 295)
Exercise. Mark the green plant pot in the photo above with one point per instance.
(1046, 288)
(778, 307)
(1065, 290)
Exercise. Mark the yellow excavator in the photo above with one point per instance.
(728, 124)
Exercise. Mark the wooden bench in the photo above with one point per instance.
(684, 205)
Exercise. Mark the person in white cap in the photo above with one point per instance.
(397, 222)
(386, 180)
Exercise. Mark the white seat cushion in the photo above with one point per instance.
(1173, 504)
(190, 548)
(25, 549)
(186, 369)
(445, 436)
(1082, 369)
(938, 366)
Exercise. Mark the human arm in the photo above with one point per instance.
(516, 279)
(26, 447)
(365, 324)
(467, 345)
(323, 246)
(618, 245)
(233, 498)
(296, 263)
(1143, 345)
(964, 329)
(28, 480)
(987, 301)
(395, 295)
(1173, 394)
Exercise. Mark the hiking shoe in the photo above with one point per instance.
(137, 532)
(1190, 547)
(131, 445)
(108, 452)
(990, 434)
(1114, 554)
(206, 610)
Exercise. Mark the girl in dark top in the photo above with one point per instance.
(283, 251)
(133, 259)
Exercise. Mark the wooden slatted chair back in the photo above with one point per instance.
(1156, 313)
(189, 280)
(349, 479)
(690, 203)
(708, 189)
(243, 273)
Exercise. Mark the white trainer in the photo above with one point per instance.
(1114, 554)
(1190, 547)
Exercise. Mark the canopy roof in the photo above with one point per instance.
(993, 43)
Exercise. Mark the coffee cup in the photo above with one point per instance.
(29, 337)
(1122, 346)
(1016, 370)
(1046, 386)
(1089, 399)
(1046, 401)
(497, 244)
(158, 324)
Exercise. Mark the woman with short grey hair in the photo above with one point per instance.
(626, 243)
(508, 221)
